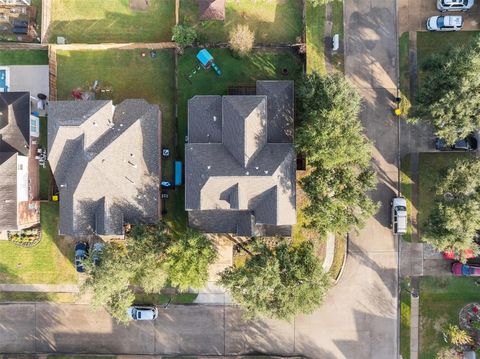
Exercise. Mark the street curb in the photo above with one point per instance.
(347, 240)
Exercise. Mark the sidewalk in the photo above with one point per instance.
(40, 288)
(414, 328)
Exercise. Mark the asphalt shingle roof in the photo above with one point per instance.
(8, 190)
(105, 160)
(244, 178)
(14, 122)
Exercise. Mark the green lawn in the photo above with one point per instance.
(103, 21)
(274, 21)
(23, 57)
(404, 64)
(182, 298)
(440, 301)
(37, 297)
(127, 75)
(405, 299)
(315, 29)
(259, 65)
(431, 167)
(406, 189)
(48, 262)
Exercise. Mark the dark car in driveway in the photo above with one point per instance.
(467, 144)
(81, 253)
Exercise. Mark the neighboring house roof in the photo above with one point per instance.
(14, 122)
(211, 9)
(8, 190)
(240, 162)
(105, 160)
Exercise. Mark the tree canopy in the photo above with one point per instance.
(330, 135)
(449, 96)
(187, 260)
(455, 217)
(183, 35)
(149, 258)
(278, 282)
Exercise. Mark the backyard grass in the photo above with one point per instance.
(405, 299)
(338, 256)
(337, 28)
(104, 21)
(49, 262)
(23, 57)
(406, 187)
(273, 21)
(431, 167)
(37, 297)
(315, 29)
(440, 301)
(259, 65)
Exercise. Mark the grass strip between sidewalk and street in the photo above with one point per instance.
(37, 297)
(315, 30)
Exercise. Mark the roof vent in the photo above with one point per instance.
(214, 118)
(266, 172)
(208, 167)
(247, 173)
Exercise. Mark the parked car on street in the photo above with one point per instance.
(81, 253)
(399, 215)
(467, 144)
(460, 269)
(454, 5)
(143, 312)
(444, 23)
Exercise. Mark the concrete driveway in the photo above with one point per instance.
(414, 13)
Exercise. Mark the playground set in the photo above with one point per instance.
(206, 62)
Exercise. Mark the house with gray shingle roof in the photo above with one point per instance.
(19, 206)
(105, 160)
(240, 162)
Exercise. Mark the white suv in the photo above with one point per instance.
(444, 23)
(454, 5)
(399, 215)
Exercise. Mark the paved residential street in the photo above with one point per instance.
(359, 317)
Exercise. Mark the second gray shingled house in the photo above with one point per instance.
(240, 162)
(105, 160)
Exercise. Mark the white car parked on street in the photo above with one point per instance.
(445, 23)
(399, 215)
(454, 5)
(142, 312)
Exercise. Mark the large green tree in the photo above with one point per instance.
(449, 96)
(330, 136)
(455, 217)
(338, 198)
(278, 282)
(150, 257)
(187, 260)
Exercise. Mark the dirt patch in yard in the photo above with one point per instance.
(139, 5)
